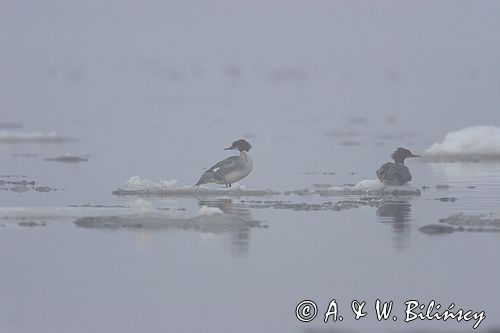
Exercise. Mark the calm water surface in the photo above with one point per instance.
(321, 103)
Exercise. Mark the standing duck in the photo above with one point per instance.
(232, 169)
(397, 173)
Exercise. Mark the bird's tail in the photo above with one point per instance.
(206, 177)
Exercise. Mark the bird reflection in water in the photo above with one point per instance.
(398, 214)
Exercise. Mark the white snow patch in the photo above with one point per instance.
(472, 143)
(377, 187)
(368, 185)
(207, 211)
(136, 183)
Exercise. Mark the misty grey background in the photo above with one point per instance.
(187, 78)
(159, 88)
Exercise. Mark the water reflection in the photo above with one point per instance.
(240, 238)
(398, 215)
(237, 227)
(474, 185)
(227, 206)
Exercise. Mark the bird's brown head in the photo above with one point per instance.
(401, 154)
(241, 145)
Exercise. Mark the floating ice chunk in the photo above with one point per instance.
(464, 223)
(20, 188)
(141, 206)
(436, 229)
(364, 187)
(464, 220)
(24, 186)
(68, 158)
(145, 187)
(32, 137)
(44, 189)
(207, 211)
(469, 144)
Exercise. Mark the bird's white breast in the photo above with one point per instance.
(244, 169)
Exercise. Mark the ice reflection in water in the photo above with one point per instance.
(237, 227)
(240, 237)
(227, 206)
(233, 221)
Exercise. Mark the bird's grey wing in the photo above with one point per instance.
(225, 166)
(384, 171)
(394, 174)
(216, 172)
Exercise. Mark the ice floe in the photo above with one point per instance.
(140, 214)
(68, 158)
(32, 137)
(469, 144)
(464, 223)
(145, 187)
(217, 223)
(23, 185)
(324, 206)
(364, 187)
(16, 182)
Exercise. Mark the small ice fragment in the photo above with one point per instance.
(43, 189)
(20, 188)
(207, 211)
(436, 229)
(141, 206)
(446, 199)
(68, 158)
